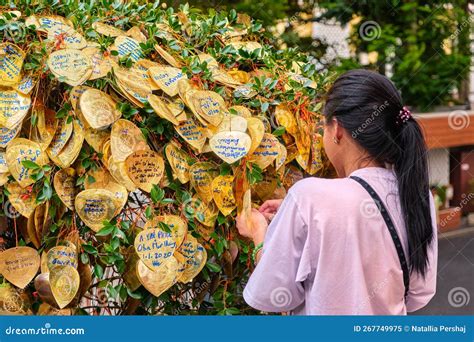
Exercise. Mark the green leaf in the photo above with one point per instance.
(84, 258)
(89, 249)
(114, 243)
(103, 283)
(106, 230)
(134, 295)
(45, 193)
(164, 227)
(98, 271)
(62, 113)
(156, 194)
(279, 131)
(149, 212)
(221, 218)
(232, 311)
(90, 179)
(213, 267)
(30, 165)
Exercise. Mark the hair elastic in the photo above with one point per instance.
(403, 116)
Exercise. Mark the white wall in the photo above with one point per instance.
(438, 162)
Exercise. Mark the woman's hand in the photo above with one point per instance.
(254, 228)
(269, 208)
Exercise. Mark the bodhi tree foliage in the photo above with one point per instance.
(426, 43)
(131, 135)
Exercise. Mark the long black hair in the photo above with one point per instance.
(368, 106)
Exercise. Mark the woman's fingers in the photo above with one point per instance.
(270, 206)
(259, 226)
(265, 207)
(253, 227)
(241, 224)
(268, 216)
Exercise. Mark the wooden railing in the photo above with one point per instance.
(448, 129)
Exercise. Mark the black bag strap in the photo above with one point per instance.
(391, 229)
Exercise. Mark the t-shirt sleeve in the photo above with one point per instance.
(276, 285)
(423, 289)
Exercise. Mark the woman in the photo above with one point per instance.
(364, 243)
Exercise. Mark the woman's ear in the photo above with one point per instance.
(338, 130)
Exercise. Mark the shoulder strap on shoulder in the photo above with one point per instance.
(391, 229)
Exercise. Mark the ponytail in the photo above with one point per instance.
(370, 108)
(411, 168)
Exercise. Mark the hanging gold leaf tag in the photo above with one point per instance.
(71, 66)
(101, 64)
(65, 186)
(72, 148)
(208, 105)
(61, 256)
(195, 258)
(66, 37)
(192, 133)
(64, 282)
(174, 223)
(11, 62)
(98, 108)
(19, 265)
(6, 134)
(223, 194)
(202, 175)
(22, 199)
(167, 78)
(61, 137)
(107, 30)
(230, 146)
(157, 282)
(154, 247)
(267, 151)
(95, 206)
(126, 46)
(145, 168)
(19, 150)
(125, 139)
(178, 161)
(13, 108)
